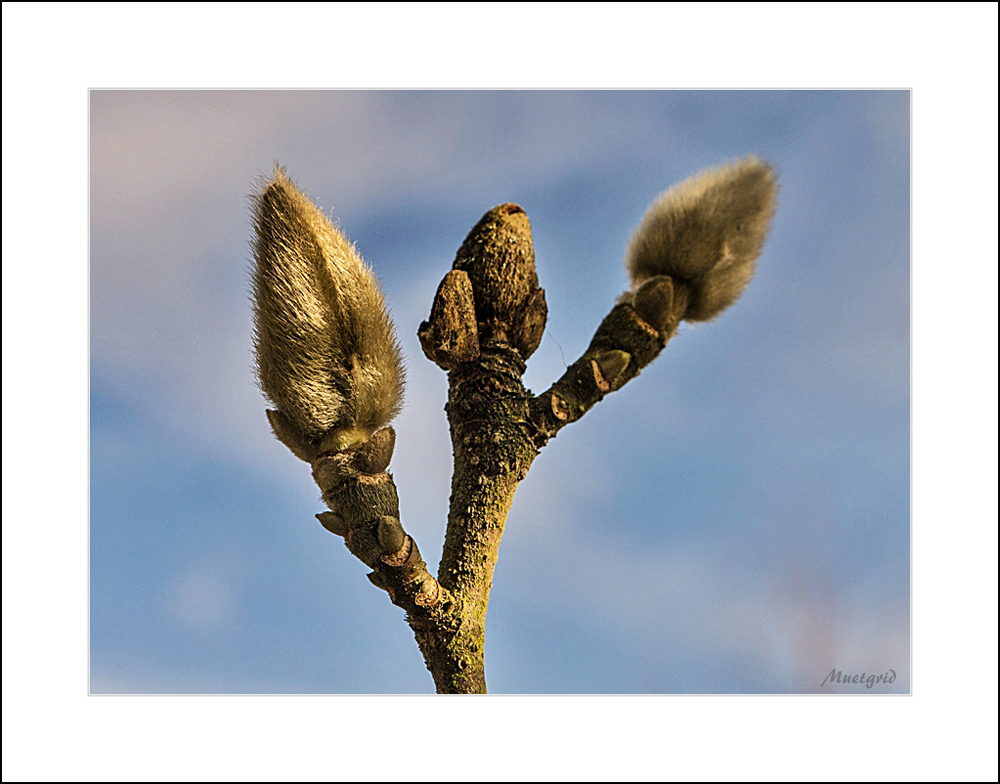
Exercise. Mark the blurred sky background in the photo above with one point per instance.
(734, 520)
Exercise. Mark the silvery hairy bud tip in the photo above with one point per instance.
(327, 354)
(706, 234)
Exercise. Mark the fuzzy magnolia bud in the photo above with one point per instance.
(327, 355)
(706, 233)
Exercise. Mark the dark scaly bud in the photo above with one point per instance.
(450, 335)
(527, 336)
(706, 233)
(499, 257)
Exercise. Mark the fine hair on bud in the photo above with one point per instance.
(707, 233)
(327, 355)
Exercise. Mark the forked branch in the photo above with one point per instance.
(328, 359)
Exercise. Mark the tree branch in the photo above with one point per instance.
(488, 317)
(622, 346)
(364, 510)
(328, 358)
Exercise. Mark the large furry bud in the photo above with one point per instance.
(327, 355)
(706, 233)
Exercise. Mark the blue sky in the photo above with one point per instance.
(735, 520)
